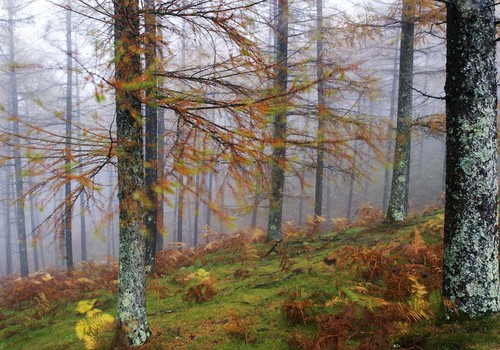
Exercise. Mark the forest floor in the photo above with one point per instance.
(375, 286)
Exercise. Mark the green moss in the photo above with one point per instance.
(259, 298)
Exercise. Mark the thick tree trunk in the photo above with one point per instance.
(278, 162)
(132, 319)
(471, 276)
(398, 202)
(151, 173)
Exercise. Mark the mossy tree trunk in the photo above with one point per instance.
(278, 161)
(471, 276)
(398, 202)
(132, 319)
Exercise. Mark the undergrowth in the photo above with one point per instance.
(371, 288)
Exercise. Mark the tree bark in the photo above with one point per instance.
(320, 155)
(132, 318)
(398, 202)
(278, 161)
(470, 274)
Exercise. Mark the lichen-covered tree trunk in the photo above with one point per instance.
(279, 125)
(471, 276)
(132, 319)
(398, 202)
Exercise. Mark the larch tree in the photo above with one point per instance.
(132, 318)
(398, 201)
(278, 161)
(470, 275)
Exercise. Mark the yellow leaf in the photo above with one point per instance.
(85, 305)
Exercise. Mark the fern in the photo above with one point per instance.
(95, 323)
(416, 308)
(84, 306)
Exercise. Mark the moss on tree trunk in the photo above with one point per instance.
(132, 319)
(471, 277)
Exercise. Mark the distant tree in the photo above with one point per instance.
(470, 275)
(8, 230)
(68, 200)
(398, 202)
(320, 153)
(16, 150)
(151, 133)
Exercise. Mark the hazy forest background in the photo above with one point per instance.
(249, 174)
(58, 111)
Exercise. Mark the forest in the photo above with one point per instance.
(249, 174)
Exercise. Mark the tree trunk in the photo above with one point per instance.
(328, 201)
(34, 239)
(161, 172)
(209, 199)
(18, 171)
(68, 203)
(320, 155)
(180, 210)
(278, 161)
(151, 173)
(132, 318)
(398, 202)
(471, 276)
(197, 203)
(8, 225)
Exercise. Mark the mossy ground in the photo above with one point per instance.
(281, 300)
